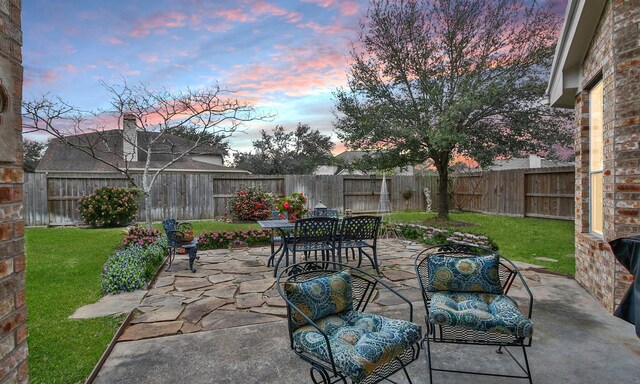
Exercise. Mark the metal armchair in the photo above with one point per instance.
(329, 328)
(465, 292)
(175, 239)
(361, 233)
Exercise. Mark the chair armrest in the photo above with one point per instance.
(524, 284)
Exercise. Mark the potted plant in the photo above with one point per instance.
(293, 206)
(187, 232)
(408, 193)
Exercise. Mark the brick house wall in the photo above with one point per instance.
(614, 57)
(13, 311)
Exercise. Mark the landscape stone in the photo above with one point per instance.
(163, 281)
(222, 319)
(191, 275)
(397, 275)
(195, 311)
(275, 302)
(160, 314)
(110, 305)
(256, 286)
(187, 327)
(249, 300)
(276, 311)
(189, 284)
(225, 292)
(160, 291)
(162, 300)
(220, 278)
(146, 331)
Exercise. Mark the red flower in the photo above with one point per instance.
(286, 205)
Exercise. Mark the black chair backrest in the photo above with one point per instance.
(315, 230)
(324, 213)
(170, 227)
(360, 228)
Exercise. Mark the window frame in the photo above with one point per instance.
(596, 166)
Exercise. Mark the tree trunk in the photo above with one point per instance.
(147, 208)
(442, 165)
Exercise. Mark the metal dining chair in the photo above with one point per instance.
(314, 234)
(361, 233)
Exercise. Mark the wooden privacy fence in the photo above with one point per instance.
(542, 192)
(53, 199)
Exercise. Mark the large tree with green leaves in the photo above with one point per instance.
(32, 151)
(285, 153)
(433, 78)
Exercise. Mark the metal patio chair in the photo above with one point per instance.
(174, 241)
(464, 288)
(361, 233)
(330, 329)
(311, 235)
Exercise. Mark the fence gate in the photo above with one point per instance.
(362, 193)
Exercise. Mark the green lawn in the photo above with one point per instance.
(521, 239)
(63, 274)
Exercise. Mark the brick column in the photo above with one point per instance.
(13, 310)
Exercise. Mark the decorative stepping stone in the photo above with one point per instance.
(220, 278)
(184, 284)
(160, 314)
(275, 311)
(190, 275)
(187, 327)
(160, 291)
(162, 301)
(256, 286)
(225, 292)
(397, 275)
(164, 281)
(275, 302)
(146, 331)
(249, 300)
(222, 319)
(195, 311)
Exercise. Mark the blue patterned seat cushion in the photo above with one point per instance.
(463, 274)
(360, 342)
(479, 311)
(320, 297)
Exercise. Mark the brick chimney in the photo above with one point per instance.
(129, 137)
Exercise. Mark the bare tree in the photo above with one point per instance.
(210, 115)
(430, 78)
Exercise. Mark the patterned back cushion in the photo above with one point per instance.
(320, 297)
(464, 274)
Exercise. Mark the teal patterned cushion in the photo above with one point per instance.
(320, 297)
(479, 311)
(464, 274)
(360, 342)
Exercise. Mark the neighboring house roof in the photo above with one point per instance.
(527, 163)
(59, 157)
(580, 23)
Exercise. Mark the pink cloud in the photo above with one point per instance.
(114, 40)
(332, 29)
(158, 23)
(49, 76)
(344, 7)
(148, 57)
(236, 14)
(262, 7)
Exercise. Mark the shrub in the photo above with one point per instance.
(109, 206)
(222, 239)
(251, 204)
(436, 236)
(130, 268)
(141, 236)
(294, 206)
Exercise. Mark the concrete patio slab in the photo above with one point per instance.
(575, 341)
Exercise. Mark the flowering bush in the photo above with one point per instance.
(251, 204)
(294, 206)
(131, 267)
(436, 236)
(222, 239)
(141, 236)
(109, 206)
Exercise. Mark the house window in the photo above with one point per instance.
(596, 107)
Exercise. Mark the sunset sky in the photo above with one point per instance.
(287, 56)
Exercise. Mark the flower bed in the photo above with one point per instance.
(222, 239)
(436, 236)
(133, 266)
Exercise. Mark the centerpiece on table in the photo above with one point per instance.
(293, 206)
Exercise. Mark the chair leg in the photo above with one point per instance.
(172, 255)
(526, 363)
(193, 255)
(429, 359)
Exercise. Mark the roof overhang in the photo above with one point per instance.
(580, 23)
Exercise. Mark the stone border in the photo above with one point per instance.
(96, 369)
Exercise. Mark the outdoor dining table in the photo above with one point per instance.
(283, 227)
